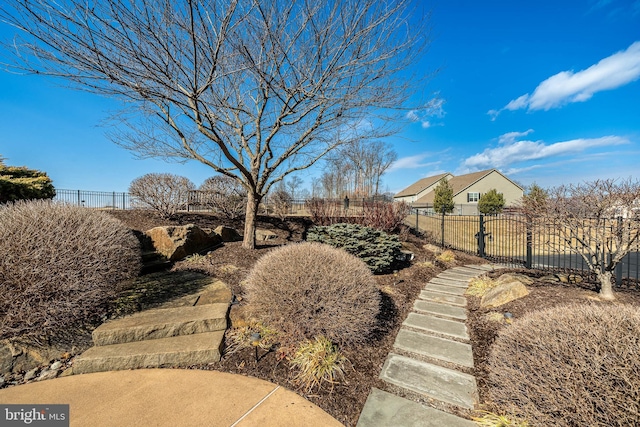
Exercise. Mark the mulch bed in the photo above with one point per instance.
(399, 290)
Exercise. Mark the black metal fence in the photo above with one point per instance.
(95, 199)
(542, 244)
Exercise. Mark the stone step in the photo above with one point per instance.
(440, 297)
(440, 309)
(435, 347)
(445, 289)
(455, 277)
(469, 271)
(450, 328)
(162, 323)
(386, 409)
(436, 382)
(448, 282)
(182, 350)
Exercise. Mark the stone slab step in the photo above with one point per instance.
(435, 347)
(386, 409)
(469, 270)
(424, 322)
(464, 284)
(440, 309)
(432, 381)
(182, 350)
(440, 297)
(445, 289)
(162, 323)
(455, 277)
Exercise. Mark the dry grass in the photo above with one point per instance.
(478, 286)
(318, 362)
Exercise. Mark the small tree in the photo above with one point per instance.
(535, 199)
(20, 183)
(443, 197)
(225, 195)
(599, 221)
(491, 202)
(163, 192)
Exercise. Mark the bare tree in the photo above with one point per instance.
(599, 221)
(255, 89)
(163, 192)
(292, 186)
(225, 195)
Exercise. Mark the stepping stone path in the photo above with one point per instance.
(185, 331)
(433, 331)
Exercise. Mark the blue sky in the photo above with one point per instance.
(544, 91)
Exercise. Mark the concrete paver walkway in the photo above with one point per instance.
(171, 397)
(435, 332)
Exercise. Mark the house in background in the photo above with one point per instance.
(467, 190)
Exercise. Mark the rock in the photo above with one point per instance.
(568, 278)
(265, 234)
(503, 293)
(16, 356)
(48, 374)
(55, 366)
(1, 381)
(31, 374)
(510, 277)
(549, 278)
(178, 242)
(228, 234)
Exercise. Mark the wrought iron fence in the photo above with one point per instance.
(540, 244)
(95, 199)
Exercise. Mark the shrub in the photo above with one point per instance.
(20, 183)
(325, 212)
(282, 202)
(446, 257)
(59, 265)
(388, 217)
(307, 290)
(225, 195)
(478, 286)
(162, 192)
(376, 248)
(318, 362)
(570, 365)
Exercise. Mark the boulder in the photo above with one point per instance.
(228, 234)
(433, 248)
(265, 234)
(178, 242)
(505, 292)
(510, 277)
(24, 357)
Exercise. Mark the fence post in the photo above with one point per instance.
(124, 201)
(79, 204)
(417, 225)
(529, 262)
(444, 210)
(481, 237)
(113, 200)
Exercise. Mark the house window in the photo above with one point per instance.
(473, 197)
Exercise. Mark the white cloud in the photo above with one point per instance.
(512, 151)
(433, 108)
(412, 162)
(566, 87)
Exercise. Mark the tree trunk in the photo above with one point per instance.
(249, 239)
(606, 289)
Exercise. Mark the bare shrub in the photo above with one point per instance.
(225, 195)
(570, 365)
(325, 212)
(59, 265)
(163, 192)
(282, 201)
(385, 216)
(308, 290)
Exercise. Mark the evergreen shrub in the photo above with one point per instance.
(376, 248)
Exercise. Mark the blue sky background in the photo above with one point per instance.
(544, 91)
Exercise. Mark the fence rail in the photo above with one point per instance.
(511, 239)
